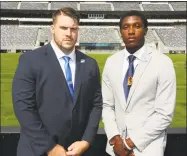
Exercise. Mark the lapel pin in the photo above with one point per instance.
(82, 60)
(129, 82)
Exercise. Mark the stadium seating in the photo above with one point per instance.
(45, 34)
(95, 7)
(99, 35)
(30, 36)
(16, 37)
(25, 37)
(173, 37)
(58, 5)
(121, 6)
(34, 5)
(150, 37)
(156, 7)
(9, 5)
(179, 6)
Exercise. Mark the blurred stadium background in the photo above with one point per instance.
(26, 26)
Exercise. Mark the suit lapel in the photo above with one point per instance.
(80, 65)
(56, 69)
(139, 71)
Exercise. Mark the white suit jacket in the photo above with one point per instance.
(149, 109)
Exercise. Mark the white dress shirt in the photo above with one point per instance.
(59, 54)
(138, 54)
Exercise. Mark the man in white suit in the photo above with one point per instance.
(139, 93)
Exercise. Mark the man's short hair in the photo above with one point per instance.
(67, 11)
(134, 13)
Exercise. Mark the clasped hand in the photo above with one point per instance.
(118, 147)
(75, 149)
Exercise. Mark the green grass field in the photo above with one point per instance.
(9, 62)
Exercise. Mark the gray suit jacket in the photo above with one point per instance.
(150, 104)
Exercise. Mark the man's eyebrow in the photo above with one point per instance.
(62, 26)
(134, 22)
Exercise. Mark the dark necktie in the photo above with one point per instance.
(68, 75)
(127, 83)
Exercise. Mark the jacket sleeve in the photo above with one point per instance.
(108, 113)
(25, 107)
(164, 107)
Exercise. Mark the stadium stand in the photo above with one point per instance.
(57, 5)
(95, 6)
(96, 32)
(9, 5)
(18, 37)
(34, 5)
(173, 37)
(178, 6)
(156, 7)
(150, 37)
(26, 37)
(45, 34)
(121, 6)
(99, 35)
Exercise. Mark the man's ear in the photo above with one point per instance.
(52, 29)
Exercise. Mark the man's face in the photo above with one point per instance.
(133, 31)
(65, 32)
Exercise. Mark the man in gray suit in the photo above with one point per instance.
(57, 94)
(139, 93)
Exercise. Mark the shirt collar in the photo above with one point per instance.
(59, 53)
(138, 54)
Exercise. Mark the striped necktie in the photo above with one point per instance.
(68, 75)
(127, 83)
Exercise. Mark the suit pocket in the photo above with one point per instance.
(156, 147)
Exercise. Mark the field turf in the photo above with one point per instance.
(9, 62)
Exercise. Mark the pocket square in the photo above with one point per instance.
(82, 60)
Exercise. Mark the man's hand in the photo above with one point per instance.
(129, 142)
(118, 146)
(77, 148)
(58, 150)
(131, 154)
